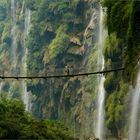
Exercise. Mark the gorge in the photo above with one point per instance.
(48, 37)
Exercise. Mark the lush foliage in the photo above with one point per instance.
(57, 38)
(120, 51)
(18, 124)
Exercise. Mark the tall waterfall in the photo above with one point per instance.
(25, 94)
(13, 34)
(13, 47)
(101, 90)
(134, 132)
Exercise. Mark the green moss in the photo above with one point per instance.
(59, 44)
(112, 45)
(122, 45)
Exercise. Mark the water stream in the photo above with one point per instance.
(134, 118)
(13, 34)
(25, 94)
(101, 91)
(13, 47)
(22, 9)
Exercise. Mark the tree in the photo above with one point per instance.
(16, 123)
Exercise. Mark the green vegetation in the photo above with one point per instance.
(56, 39)
(59, 44)
(18, 124)
(54, 24)
(122, 23)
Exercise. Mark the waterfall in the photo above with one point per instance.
(13, 34)
(25, 94)
(91, 24)
(134, 118)
(27, 21)
(13, 47)
(22, 9)
(1, 86)
(101, 90)
(15, 61)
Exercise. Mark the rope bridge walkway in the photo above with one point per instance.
(62, 76)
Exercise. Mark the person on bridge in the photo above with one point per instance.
(67, 70)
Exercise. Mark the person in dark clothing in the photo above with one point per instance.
(67, 70)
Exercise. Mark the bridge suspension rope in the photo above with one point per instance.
(62, 76)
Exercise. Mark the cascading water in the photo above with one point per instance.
(134, 118)
(14, 56)
(13, 34)
(1, 86)
(101, 90)
(90, 25)
(25, 94)
(22, 9)
(13, 47)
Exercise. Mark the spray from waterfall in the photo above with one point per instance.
(134, 118)
(101, 90)
(25, 94)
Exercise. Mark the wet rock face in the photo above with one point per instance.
(64, 94)
(69, 99)
(73, 39)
